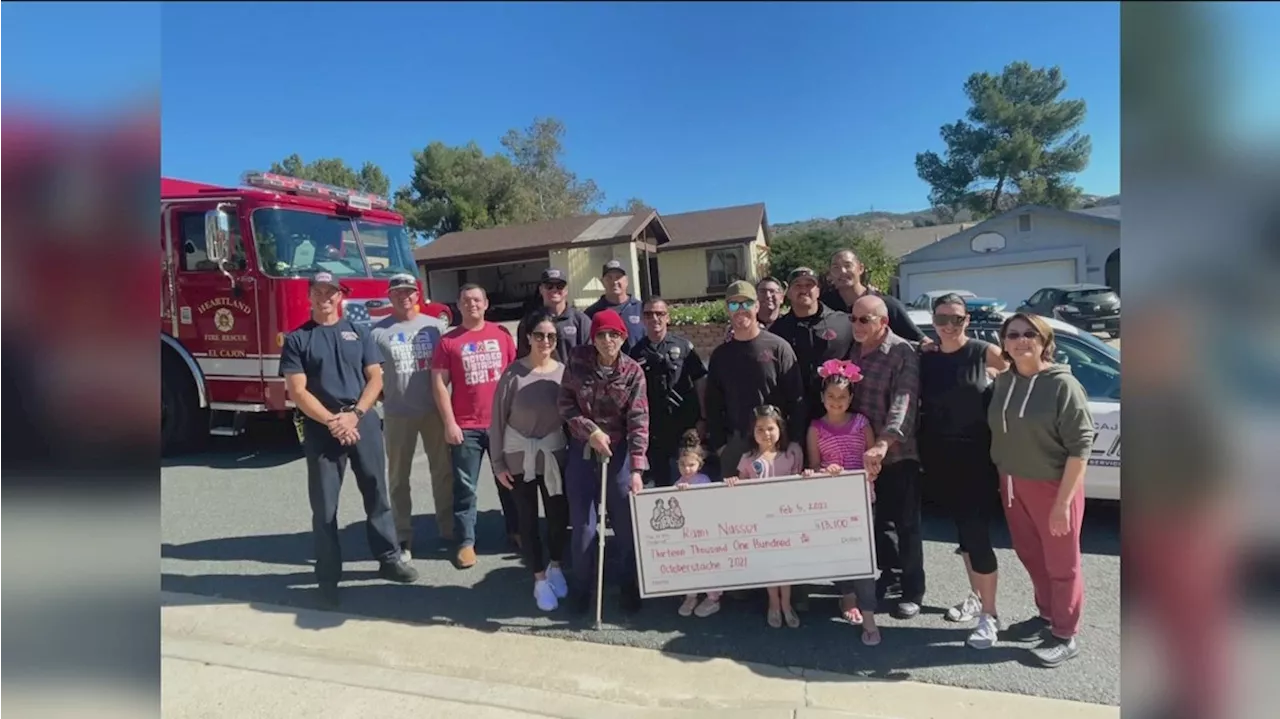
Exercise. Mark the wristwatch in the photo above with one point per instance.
(359, 413)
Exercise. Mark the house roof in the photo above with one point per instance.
(901, 242)
(1108, 211)
(974, 230)
(543, 236)
(723, 224)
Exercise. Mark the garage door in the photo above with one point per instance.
(1010, 283)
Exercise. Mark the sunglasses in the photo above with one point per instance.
(953, 320)
(609, 335)
(736, 306)
(544, 336)
(867, 319)
(555, 286)
(1027, 335)
(654, 313)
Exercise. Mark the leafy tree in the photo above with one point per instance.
(334, 171)
(813, 248)
(461, 188)
(1019, 139)
(537, 153)
(634, 206)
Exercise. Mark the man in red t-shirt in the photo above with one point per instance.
(471, 359)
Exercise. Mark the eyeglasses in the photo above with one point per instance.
(544, 336)
(953, 320)
(654, 313)
(867, 319)
(736, 306)
(609, 335)
(1027, 335)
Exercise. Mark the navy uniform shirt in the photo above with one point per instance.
(573, 329)
(333, 358)
(630, 312)
(674, 364)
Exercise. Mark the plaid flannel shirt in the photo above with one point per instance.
(611, 399)
(889, 394)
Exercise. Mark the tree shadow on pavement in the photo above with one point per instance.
(1100, 533)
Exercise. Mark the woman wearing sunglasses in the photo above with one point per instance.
(1041, 437)
(527, 426)
(955, 452)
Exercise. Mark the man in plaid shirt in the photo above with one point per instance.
(888, 396)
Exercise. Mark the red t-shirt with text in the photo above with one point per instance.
(475, 360)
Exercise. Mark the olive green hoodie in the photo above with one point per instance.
(1038, 422)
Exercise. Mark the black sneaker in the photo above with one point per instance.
(329, 597)
(1055, 651)
(1027, 630)
(398, 571)
(579, 603)
(630, 600)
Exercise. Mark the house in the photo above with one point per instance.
(905, 241)
(1012, 255)
(710, 249)
(508, 261)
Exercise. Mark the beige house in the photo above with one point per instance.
(710, 249)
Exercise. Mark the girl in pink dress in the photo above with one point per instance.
(836, 444)
(772, 455)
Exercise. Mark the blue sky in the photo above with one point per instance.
(816, 109)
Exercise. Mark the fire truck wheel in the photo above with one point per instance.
(180, 412)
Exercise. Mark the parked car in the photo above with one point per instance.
(1095, 308)
(976, 305)
(925, 301)
(1095, 364)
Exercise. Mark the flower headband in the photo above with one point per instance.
(847, 370)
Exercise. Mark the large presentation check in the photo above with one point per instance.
(788, 530)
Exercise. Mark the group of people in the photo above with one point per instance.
(843, 381)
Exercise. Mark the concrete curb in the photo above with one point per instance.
(495, 674)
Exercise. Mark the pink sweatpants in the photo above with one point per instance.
(1053, 562)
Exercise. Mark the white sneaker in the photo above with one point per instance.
(406, 555)
(558, 583)
(965, 611)
(984, 637)
(543, 594)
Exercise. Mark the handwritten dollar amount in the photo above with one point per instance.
(835, 524)
(787, 510)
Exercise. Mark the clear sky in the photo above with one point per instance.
(816, 109)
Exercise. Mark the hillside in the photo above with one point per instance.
(875, 222)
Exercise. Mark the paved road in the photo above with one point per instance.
(236, 525)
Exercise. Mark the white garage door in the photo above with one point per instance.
(1010, 283)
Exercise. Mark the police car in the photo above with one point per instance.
(1095, 364)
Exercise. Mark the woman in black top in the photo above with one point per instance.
(955, 451)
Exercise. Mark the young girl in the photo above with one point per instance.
(689, 461)
(836, 444)
(772, 455)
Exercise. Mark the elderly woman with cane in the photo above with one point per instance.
(604, 405)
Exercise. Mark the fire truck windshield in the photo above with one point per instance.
(293, 243)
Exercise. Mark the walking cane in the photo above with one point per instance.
(604, 501)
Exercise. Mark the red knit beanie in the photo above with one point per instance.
(607, 320)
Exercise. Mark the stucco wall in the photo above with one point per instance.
(683, 272)
(583, 265)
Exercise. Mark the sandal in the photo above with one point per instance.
(775, 618)
(792, 620)
(871, 637)
(852, 615)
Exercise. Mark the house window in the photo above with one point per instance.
(1024, 223)
(724, 266)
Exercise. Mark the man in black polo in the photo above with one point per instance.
(675, 379)
(333, 372)
(816, 332)
(573, 328)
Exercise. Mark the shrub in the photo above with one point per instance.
(699, 313)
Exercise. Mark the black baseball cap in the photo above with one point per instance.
(403, 281)
(553, 274)
(612, 265)
(800, 273)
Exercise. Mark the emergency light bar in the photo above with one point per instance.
(284, 183)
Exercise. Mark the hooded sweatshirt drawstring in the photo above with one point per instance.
(1004, 419)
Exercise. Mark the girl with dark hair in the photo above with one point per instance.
(689, 461)
(772, 454)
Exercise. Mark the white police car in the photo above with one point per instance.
(1095, 364)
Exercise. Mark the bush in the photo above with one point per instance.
(699, 313)
(813, 248)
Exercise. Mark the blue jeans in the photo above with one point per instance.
(466, 479)
(582, 487)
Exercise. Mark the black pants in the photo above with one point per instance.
(525, 495)
(899, 544)
(967, 484)
(327, 462)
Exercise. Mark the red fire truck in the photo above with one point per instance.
(236, 263)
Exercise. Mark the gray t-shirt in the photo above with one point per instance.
(526, 402)
(406, 363)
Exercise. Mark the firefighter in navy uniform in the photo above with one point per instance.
(674, 379)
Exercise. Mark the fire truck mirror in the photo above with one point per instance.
(217, 235)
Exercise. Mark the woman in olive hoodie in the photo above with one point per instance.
(1041, 436)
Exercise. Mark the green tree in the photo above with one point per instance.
(633, 206)
(813, 248)
(537, 153)
(334, 171)
(1019, 145)
(461, 188)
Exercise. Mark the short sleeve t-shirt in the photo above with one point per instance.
(783, 464)
(406, 353)
(475, 360)
(954, 393)
(333, 358)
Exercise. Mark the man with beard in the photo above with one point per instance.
(770, 291)
(815, 332)
(845, 274)
(675, 379)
